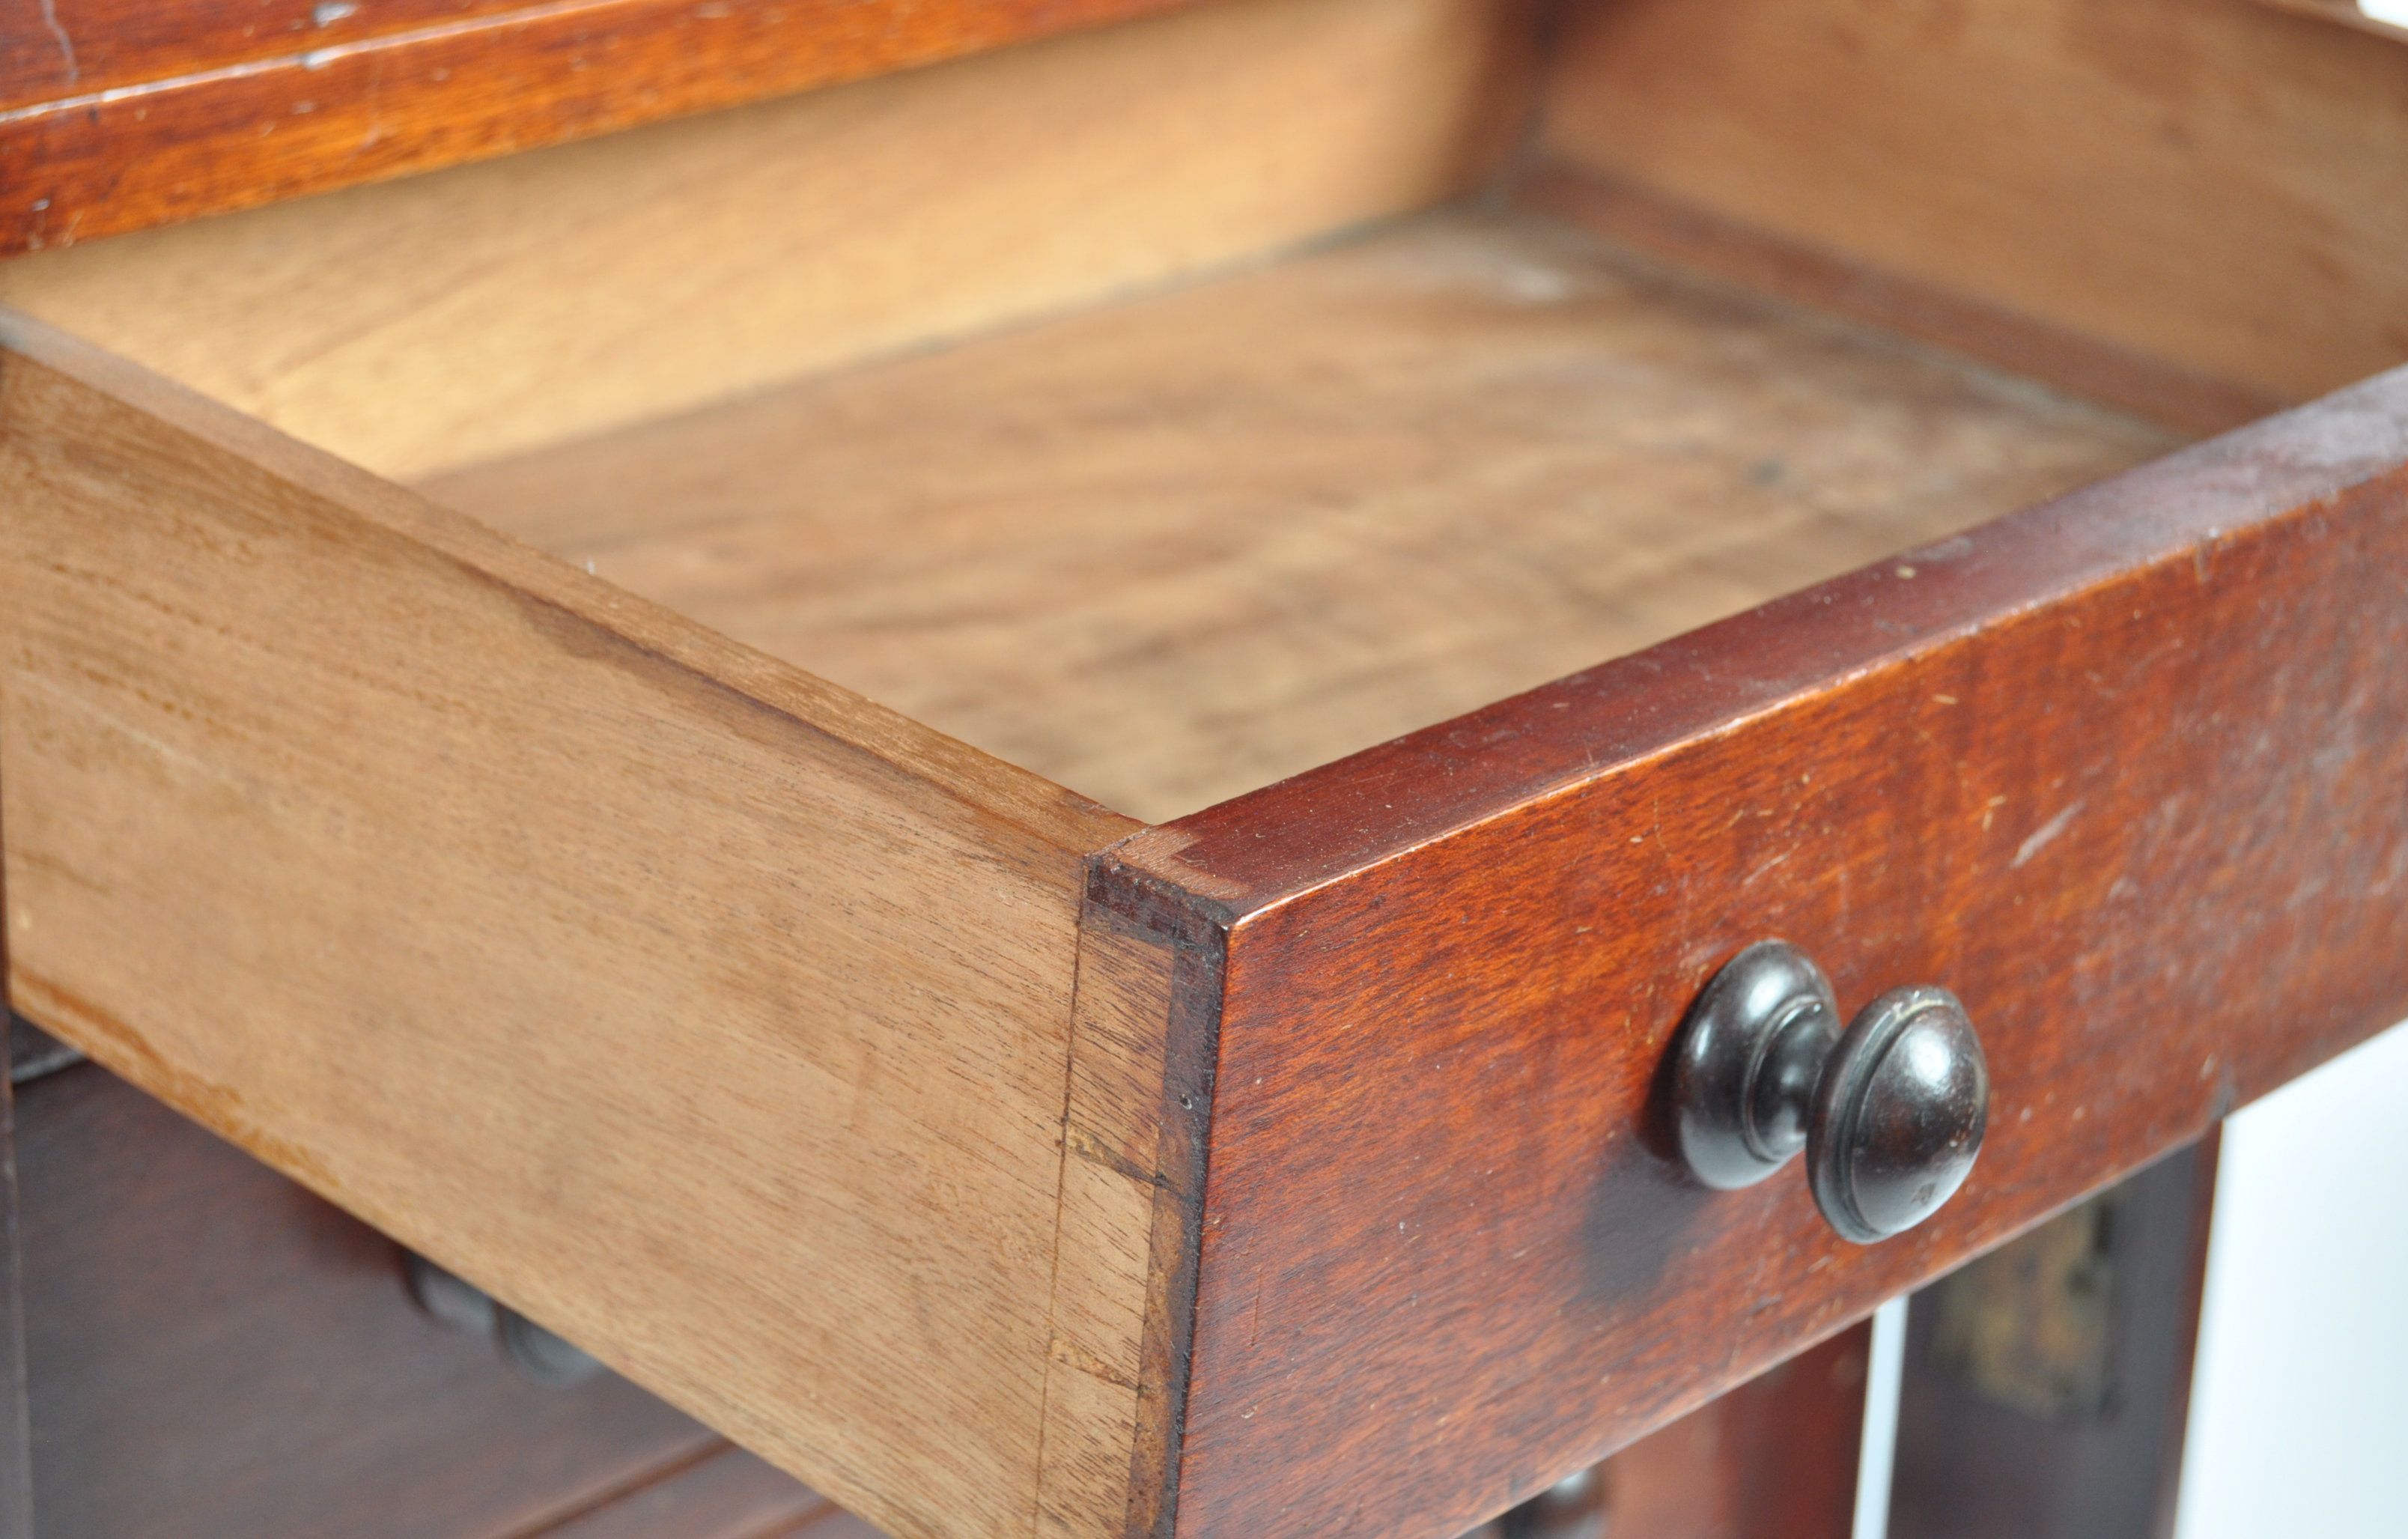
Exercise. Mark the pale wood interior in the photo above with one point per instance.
(1168, 551)
(441, 320)
(2212, 184)
(713, 1015)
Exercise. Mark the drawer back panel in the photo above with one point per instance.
(432, 322)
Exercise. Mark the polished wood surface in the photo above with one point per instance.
(444, 320)
(2212, 184)
(2125, 772)
(213, 1350)
(119, 114)
(1168, 552)
(709, 1014)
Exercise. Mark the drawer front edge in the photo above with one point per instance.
(2128, 771)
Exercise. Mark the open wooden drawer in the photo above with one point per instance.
(1287, 1156)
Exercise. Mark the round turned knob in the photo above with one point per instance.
(1890, 1112)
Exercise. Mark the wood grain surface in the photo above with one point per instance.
(451, 318)
(1003, 1168)
(1100, 1383)
(119, 114)
(214, 1350)
(2209, 183)
(1149, 976)
(695, 1007)
(2128, 771)
(1707, 243)
(1171, 551)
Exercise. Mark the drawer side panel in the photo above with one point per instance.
(2211, 185)
(710, 1015)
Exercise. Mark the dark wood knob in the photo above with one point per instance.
(1890, 1112)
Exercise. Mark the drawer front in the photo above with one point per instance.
(2127, 773)
(210, 1349)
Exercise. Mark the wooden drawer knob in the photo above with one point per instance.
(1890, 1112)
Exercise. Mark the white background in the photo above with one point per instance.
(2300, 1412)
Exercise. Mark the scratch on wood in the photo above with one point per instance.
(66, 44)
(1071, 1355)
(2043, 834)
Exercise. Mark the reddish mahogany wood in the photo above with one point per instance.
(2128, 771)
(119, 114)
(74, 48)
(1775, 1459)
(213, 1350)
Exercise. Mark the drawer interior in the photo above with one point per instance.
(1150, 409)
(1167, 550)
